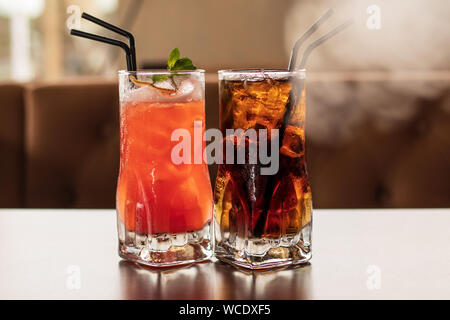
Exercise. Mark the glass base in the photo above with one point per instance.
(265, 253)
(165, 250)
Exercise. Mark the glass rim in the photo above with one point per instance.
(259, 74)
(259, 71)
(159, 71)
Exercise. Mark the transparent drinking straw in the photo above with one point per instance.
(313, 45)
(130, 51)
(321, 40)
(305, 36)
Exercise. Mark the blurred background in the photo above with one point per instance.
(34, 41)
(378, 94)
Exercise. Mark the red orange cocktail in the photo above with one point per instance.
(164, 208)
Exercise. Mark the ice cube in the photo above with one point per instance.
(292, 145)
(143, 94)
(164, 91)
(259, 102)
(166, 85)
(186, 87)
(192, 88)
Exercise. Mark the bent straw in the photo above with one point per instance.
(113, 42)
(305, 36)
(321, 40)
(118, 30)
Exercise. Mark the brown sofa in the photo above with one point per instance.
(371, 142)
(71, 145)
(11, 145)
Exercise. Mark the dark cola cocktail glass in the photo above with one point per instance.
(263, 219)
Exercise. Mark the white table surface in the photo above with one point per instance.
(357, 254)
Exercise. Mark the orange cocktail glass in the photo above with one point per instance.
(164, 208)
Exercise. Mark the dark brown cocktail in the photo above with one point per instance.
(263, 217)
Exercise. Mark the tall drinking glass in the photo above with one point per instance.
(263, 197)
(164, 206)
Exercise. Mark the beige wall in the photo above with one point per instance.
(214, 34)
(415, 34)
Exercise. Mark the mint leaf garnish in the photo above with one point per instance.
(159, 77)
(174, 63)
(183, 64)
(173, 57)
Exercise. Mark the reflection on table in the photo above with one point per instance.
(213, 281)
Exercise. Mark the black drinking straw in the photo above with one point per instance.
(118, 30)
(113, 42)
(305, 36)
